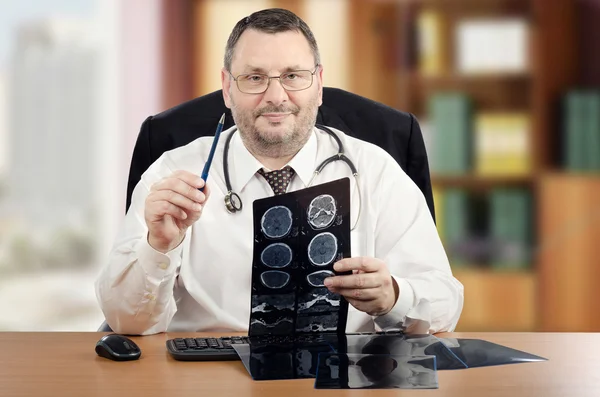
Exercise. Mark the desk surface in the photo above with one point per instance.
(65, 364)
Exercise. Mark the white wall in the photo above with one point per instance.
(328, 19)
(220, 18)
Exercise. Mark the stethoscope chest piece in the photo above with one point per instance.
(233, 203)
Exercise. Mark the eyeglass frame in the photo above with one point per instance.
(312, 80)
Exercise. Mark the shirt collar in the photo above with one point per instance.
(304, 161)
(246, 165)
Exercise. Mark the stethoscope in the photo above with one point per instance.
(233, 202)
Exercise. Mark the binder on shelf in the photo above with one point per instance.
(592, 137)
(455, 224)
(511, 228)
(430, 43)
(450, 118)
(581, 132)
(502, 144)
(492, 45)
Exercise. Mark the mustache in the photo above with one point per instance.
(276, 109)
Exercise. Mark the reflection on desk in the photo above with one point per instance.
(375, 371)
(297, 357)
(65, 364)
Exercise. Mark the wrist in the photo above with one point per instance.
(162, 245)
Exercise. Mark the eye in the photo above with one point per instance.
(254, 78)
(290, 76)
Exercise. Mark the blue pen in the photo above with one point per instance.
(212, 150)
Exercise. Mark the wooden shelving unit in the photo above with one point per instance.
(481, 183)
(558, 291)
(384, 50)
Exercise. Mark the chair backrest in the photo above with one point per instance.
(395, 131)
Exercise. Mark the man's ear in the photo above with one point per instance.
(226, 85)
(320, 83)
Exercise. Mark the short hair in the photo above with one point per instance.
(272, 20)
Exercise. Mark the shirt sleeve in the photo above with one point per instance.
(135, 288)
(430, 298)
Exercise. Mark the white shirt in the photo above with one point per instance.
(205, 283)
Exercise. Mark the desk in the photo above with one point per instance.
(65, 364)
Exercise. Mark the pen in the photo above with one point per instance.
(212, 150)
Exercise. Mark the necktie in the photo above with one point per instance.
(278, 179)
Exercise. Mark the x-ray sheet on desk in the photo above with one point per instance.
(404, 345)
(278, 357)
(480, 353)
(375, 371)
(286, 357)
(298, 236)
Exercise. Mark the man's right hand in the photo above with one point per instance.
(173, 205)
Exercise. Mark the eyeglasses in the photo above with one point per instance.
(257, 83)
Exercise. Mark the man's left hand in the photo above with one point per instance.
(370, 288)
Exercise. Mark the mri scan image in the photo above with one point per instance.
(272, 314)
(317, 279)
(298, 236)
(277, 222)
(276, 255)
(274, 279)
(322, 211)
(322, 249)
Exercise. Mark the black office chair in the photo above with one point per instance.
(395, 131)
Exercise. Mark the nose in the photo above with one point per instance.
(275, 93)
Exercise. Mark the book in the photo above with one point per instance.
(430, 42)
(492, 45)
(456, 225)
(511, 228)
(581, 131)
(450, 118)
(502, 144)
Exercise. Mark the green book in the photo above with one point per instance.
(450, 115)
(511, 228)
(592, 131)
(574, 131)
(456, 223)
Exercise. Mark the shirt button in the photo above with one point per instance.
(163, 266)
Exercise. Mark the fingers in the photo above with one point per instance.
(177, 195)
(358, 280)
(366, 284)
(183, 183)
(176, 199)
(206, 191)
(358, 294)
(162, 208)
(367, 265)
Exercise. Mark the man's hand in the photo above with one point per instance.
(370, 288)
(173, 205)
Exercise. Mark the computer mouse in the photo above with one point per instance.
(118, 348)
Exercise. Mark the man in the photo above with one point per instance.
(183, 263)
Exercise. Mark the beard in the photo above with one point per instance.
(282, 139)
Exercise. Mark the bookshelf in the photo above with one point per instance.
(555, 290)
(405, 54)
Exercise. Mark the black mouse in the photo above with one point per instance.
(117, 347)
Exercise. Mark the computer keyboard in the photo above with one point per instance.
(220, 349)
(205, 349)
